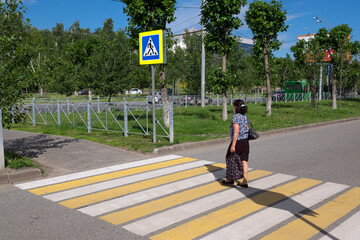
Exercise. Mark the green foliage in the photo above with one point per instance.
(221, 82)
(308, 55)
(148, 15)
(266, 20)
(15, 161)
(14, 58)
(219, 19)
(111, 65)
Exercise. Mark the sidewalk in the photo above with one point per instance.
(59, 155)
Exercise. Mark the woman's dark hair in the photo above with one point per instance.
(240, 106)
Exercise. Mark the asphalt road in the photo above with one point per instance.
(327, 153)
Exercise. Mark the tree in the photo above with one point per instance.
(219, 18)
(147, 15)
(14, 60)
(338, 40)
(308, 56)
(110, 64)
(266, 20)
(241, 66)
(283, 70)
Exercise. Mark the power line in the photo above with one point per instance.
(185, 21)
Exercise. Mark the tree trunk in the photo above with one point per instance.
(268, 86)
(224, 99)
(334, 105)
(164, 97)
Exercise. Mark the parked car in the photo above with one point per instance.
(278, 96)
(135, 91)
(157, 97)
(83, 92)
(190, 99)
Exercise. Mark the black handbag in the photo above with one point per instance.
(252, 134)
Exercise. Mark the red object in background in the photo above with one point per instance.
(327, 56)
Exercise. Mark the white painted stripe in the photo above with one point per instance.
(59, 196)
(73, 176)
(174, 215)
(139, 197)
(136, 198)
(265, 219)
(347, 230)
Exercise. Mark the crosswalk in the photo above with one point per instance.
(175, 197)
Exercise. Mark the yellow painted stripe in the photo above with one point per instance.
(107, 176)
(214, 220)
(138, 186)
(311, 223)
(170, 201)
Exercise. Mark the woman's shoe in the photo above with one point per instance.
(224, 182)
(243, 185)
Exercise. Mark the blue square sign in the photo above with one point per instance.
(152, 47)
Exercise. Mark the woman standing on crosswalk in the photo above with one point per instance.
(237, 164)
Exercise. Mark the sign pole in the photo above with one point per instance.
(2, 158)
(153, 100)
(320, 82)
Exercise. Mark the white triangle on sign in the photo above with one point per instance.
(150, 49)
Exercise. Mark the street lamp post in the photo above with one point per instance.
(327, 76)
(319, 20)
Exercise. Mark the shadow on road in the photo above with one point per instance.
(270, 199)
(34, 146)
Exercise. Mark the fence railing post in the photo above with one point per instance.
(125, 119)
(231, 99)
(255, 98)
(98, 104)
(2, 157)
(217, 99)
(186, 100)
(89, 116)
(33, 112)
(171, 129)
(58, 112)
(68, 104)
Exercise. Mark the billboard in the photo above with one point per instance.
(327, 54)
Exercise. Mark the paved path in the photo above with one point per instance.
(175, 197)
(60, 155)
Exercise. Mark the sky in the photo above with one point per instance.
(44, 14)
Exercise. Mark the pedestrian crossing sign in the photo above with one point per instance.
(152, 47)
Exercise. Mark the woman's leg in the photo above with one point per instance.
(245, 168)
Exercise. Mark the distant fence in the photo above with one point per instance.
(133, 115)
(116, 116)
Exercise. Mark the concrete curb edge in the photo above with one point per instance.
(19, 175)
(192, 145)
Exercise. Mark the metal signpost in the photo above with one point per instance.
(152, 50)
(2, 158)
(328, 73)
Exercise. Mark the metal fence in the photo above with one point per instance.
(132, 115)
(116, 116)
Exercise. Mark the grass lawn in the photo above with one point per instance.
(15, 161)
(197, 124)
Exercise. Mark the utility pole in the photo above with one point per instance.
(202, 66)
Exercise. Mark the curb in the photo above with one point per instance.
(19, 175)
(192, 145)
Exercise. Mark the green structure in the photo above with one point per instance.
(296, 90)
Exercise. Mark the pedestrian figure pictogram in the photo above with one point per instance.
(150, 49)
